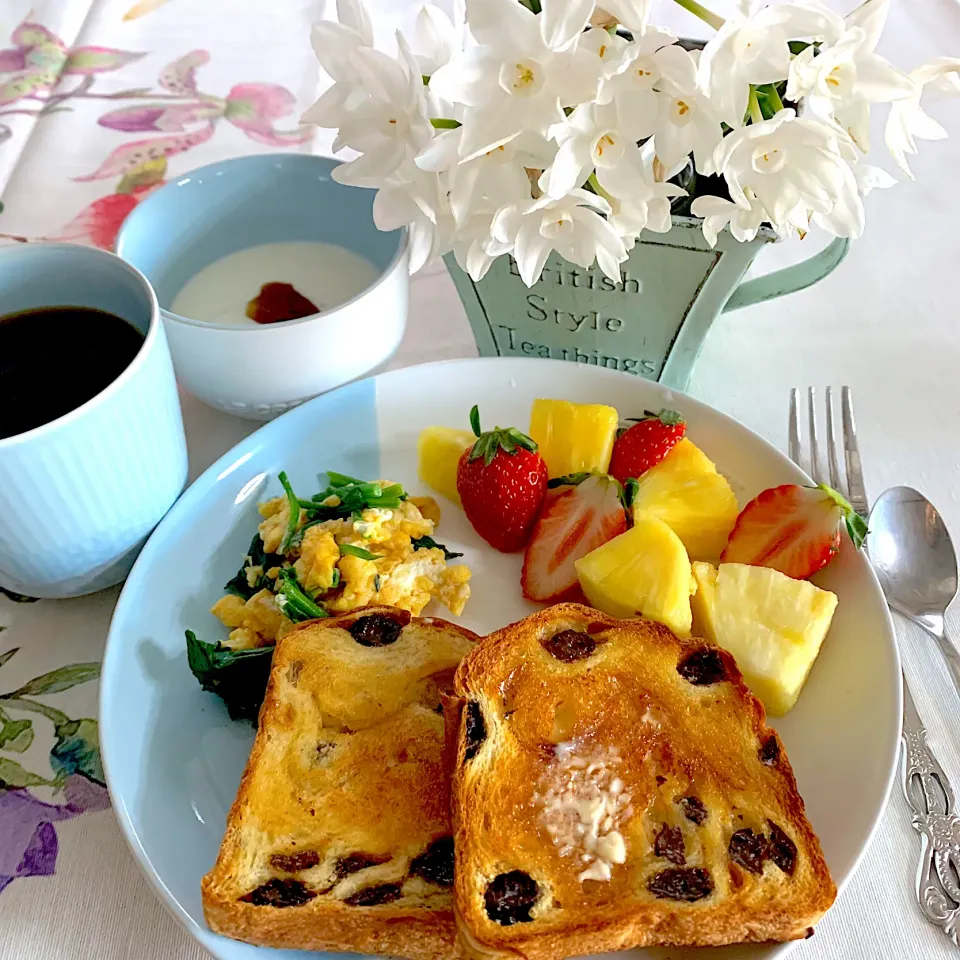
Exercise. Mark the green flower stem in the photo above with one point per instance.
(753, 106)
(442, 123)
(698, 10)
(773, 97)
(56, 717)
(594, 184)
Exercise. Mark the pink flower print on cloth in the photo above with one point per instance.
(253, 108)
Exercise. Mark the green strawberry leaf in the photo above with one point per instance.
(488, 444)
(521, 439)
(4, 657)
(857, 528)
(569, 480)
(56, 681)
(856, 525)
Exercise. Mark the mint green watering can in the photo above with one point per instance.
(651, 324)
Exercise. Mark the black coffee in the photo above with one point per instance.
(53, 359)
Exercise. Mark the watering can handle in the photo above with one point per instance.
(798, 276)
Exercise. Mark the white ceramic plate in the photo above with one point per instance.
(172, 756)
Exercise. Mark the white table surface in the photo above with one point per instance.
(885, 323)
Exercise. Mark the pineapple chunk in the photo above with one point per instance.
(643, 572)
(573, 437)
(438, 451)
(772, 624)
(685, 491)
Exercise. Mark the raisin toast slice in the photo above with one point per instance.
(339, 837)
(615, 786)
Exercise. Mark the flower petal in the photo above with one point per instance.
(91, 60)
(470, 78)
(506, 25)
(353, 14)
(486, 130)
(562, 21)
(181, 75)
(631, 13)
(871, 17)
(576, 77)
(569, 168)
(530, 250)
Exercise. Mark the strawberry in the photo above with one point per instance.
(581, 512)
(646, 443)
(793, 529)
(502, 481)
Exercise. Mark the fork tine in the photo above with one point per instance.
(832, 462)
(814, 436)
(856, 492)
(793, 428)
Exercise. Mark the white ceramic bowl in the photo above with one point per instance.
(260, 371)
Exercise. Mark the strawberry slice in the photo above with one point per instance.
(793, 529)
(582, 511)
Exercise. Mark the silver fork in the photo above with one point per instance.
(925, 783)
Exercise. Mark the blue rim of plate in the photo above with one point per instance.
(240, 452)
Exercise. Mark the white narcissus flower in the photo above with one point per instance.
(524, 70)
(754, 50)
(908, 121)
(391, 126)
(475, 247)
(334, 43)
(609, 48)
(487, 182)
(686, 121)
(437, 38)
(793, 167)
(571, 225)
(640, 67)
(602, 137)
(632, 14)
(744, 219)
(646, 207)
(416, 200)
(843, 79)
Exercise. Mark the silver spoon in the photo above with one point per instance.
(916, 564)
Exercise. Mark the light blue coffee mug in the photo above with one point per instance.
(79, 495)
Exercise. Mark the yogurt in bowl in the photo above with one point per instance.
(211, 241)
(324, 274)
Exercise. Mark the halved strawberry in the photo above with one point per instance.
(581, 512)
(793, 529)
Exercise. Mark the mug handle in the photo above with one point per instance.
(797, 276)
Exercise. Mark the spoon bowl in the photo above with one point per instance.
(913, 556)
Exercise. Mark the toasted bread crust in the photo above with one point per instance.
(347, 763)
(624, 715)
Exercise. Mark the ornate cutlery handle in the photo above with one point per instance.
(930, 795)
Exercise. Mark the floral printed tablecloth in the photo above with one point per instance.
(102, 101)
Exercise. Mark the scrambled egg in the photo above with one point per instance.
(401, 576)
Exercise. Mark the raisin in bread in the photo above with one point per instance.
(615, 786)
(339, 837)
